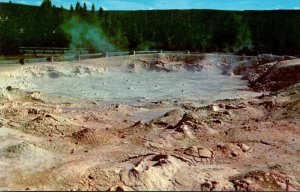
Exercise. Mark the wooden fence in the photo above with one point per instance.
(83, 54)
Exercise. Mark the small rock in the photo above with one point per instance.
(267, 143)
(218, 121)
(120, 188)
(231, 107)
(36, 95)
(139, 124)
(214, 184)
(185, 129)
(192, 151)
(221, 105)
(215, 108)
(204, 152)
(9, 88)
(244, 147)
(227, 113)
(234, 153)
(211, 131)
(201, 152)
(205, 186)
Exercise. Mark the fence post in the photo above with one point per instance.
(22, 61)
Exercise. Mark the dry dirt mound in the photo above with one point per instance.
(91, 137)
(274, 76)
(15, 94)
(60, 71)
(171, 118)
(191, 122)
(174, 172)
(17, 112)
(153, 172)
(264, 180)
(255, 67)
(49, 125)
(80, 70)
(189, 59)
(25, 150)
(175, 63)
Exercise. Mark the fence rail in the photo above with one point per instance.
(145, 52)
(84, 56)
(112, 54)
(53, 50)
(9, 62)
(65, 58)
(35, 60)
(175, 52)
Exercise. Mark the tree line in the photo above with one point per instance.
(276, 31)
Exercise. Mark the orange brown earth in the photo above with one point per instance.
(249, 143)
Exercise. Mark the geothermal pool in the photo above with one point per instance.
(136, 80)
(142, 86)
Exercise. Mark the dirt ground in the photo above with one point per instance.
(251, 143)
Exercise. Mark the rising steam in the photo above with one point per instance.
(85, 35)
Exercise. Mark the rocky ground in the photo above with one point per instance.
(233, 144)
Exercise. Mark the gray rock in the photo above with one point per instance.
(170, 118)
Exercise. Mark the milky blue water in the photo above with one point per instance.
(146, 86)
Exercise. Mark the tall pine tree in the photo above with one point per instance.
(101, 12)
(84, 11)
(46, 4)
(71, 9)
(78, 8)
(93, 8)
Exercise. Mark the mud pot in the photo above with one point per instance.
(156, 122)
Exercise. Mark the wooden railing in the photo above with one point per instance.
(83, 54)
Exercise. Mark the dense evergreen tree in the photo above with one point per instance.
(71, 9)
(93, 8)
(203, 30)
(62, 10)
(84, 9)
(46, 4)
(78, 8)
(101, 12)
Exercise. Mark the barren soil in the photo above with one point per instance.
(59, 132)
